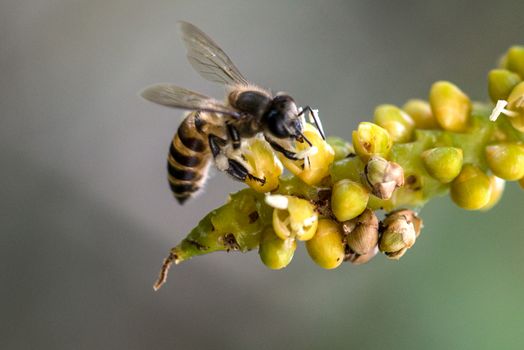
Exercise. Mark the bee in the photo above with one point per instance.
(218, 130)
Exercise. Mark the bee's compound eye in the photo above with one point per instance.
(276, 124)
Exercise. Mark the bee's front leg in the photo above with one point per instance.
(231, 166)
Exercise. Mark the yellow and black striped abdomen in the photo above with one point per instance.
(189, 158)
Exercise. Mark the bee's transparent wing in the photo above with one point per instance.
(207, 58)
(177, 97)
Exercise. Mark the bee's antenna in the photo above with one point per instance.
(299, 133)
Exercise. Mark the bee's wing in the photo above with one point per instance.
(177, 97)
(207, 57)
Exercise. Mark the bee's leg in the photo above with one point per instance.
(316, 120)
(234, 135)
(285, 152)
(233, 167)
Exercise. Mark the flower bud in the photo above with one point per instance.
(420, 112)
(293, 217)
(348, 199)
(497, 189)
(383, 177)
(340, 146)
(516, 105)
(450, 106)
(399, 124)
(260, 156)
(471, 189)
(347, 168)
(506, 160)
(443, 163)
(361, 232)
(274, 252)
(500, 83)
(398, 234)
(370, 139)
(326, 247)
(514, 60)
(358, 259)
(315, 166)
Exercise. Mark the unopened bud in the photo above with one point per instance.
(506, 160)
(362, 232)
(450, 106)
(471, 190)
(500, 83)
(383, 177)
(497, 189)
(398, 123)
(348, 199)
(514, 60)
(443, 163)
(420, 112)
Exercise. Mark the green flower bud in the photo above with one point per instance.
(443, 163)
(326, 247)
(516, 105)
(347, 168)
(370, 139)
(497, 189)
(398, 234)
(383, 177)
(506, 160)
(362, 232)
(274, 252)
(348, 199)
(500, 83)
(358, 259)
(340, 146)
(399, 124)
(420, 112)
(293, 217)
(514, 60)
(450, 106)
(471, 190)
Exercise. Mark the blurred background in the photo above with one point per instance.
(87, 215)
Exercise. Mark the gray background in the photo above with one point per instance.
(87, 216)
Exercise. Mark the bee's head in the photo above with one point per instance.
(282, 119)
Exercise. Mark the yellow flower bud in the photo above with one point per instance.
(274, 252)
(399, 124)
(326, 247)
(506, 160)
(261, 157)
(497, 189)
(348, 199)
(293, 217)
(500, 83)
(471, 190)
(420, 112)
(370, 139)
(443, 163)
(315, 166)
(450, 106)
(514, 60)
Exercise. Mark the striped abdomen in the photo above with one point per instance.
(189, 157)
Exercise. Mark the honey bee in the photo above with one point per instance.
(215, 129)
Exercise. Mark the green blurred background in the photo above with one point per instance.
(87, 215)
